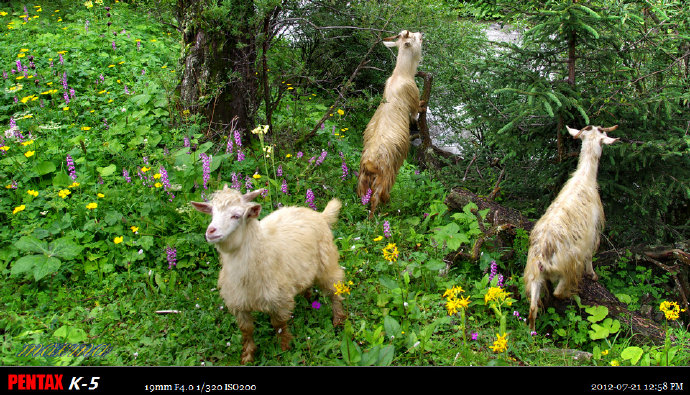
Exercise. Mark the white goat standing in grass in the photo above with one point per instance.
(266, 263)
(565, 238)
(387, 135)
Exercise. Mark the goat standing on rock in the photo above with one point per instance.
(266, 263)
(387, 135)
(565, 238)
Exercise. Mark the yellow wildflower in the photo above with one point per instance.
(63, 193)
(29, 154)
(378, 238)
(25, 143)
(91, 206)
(4, 148)
(501, 343)
(85, 128)
(18, 209)
(118, 239)
(32, 192)
(453, 292)
(671, 310)
(134, 229)
(390, 253)
(145, 169)
(73, 185)
(157, 176)
(615, 363)
(341, 112)
(256, 176)
(158, 185)
(341, 288)
(100, 195)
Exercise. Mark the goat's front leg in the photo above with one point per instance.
(246, 323)
(279, 321)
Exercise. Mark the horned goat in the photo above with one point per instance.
(387, 135)
(565, 238)
(266, 263)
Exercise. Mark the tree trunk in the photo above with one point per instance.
(219, 78)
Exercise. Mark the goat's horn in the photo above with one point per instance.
(392, 38)
(579, 133)
(611, 129)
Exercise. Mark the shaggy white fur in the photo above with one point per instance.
(387, 135)
(266, 263)
(563, 241)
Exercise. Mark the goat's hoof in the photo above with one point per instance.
(247, 359)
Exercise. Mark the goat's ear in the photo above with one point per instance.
(573, 132)
(253, 211)
(249, 196)
(203, 207)
(390, 44)
(608, 140)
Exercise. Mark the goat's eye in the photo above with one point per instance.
(235, 216)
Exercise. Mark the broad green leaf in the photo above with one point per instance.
(633, 354)
(65, 248)
(49, 266)
(26, 264)
(31, 244)
(391, 326)
(106, 171)
(45, 167)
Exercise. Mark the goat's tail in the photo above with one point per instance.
(331, 211)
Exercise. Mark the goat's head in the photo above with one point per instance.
(406, 41)
(229, 209)
(595, 135)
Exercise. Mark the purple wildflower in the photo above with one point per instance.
(235, 182)
(279, 171)
(86, 26)
(238, 138)
(284, 187)
(4, 74)
(126, 90)
(66, 96)
(321, 158)
(310, 199)
(240, 155)
(474, 336)
(172, 256)
(206, 161)
(366, 197)
(70, 168)
(345, 171)
(64, 80)
(299, 155)
(125, 174)
(62, 60)
(138, 45)
(386, 229)
(248, 184)
(229, 146)
(114, 46)
(315, 305)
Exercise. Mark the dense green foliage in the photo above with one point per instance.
(100, 160)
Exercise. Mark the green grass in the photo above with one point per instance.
(83, 275)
